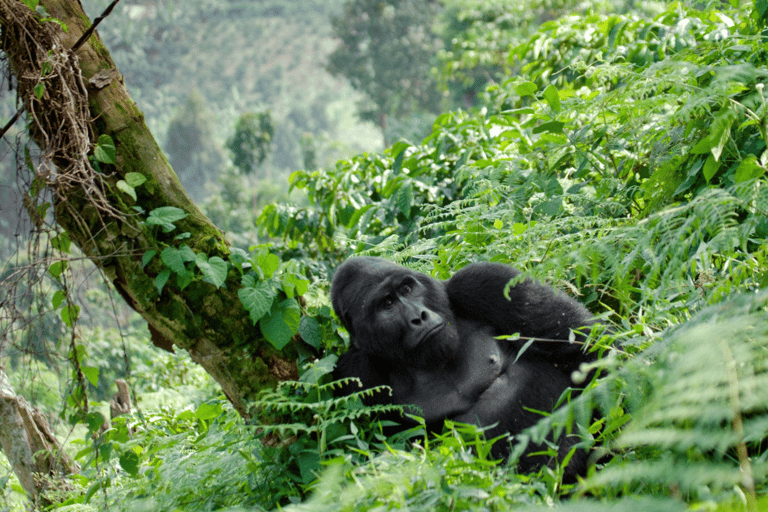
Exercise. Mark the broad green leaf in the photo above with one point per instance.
(257, 300)
(161, 279)
(57, 268)
(319, 369)
(294, 285)
(748, 169)
(214, 270)
(268, 263)
(61, 242)
(129, 461)
(173, 259)
(237, 257)
(39, 90)
(69, 314)
(92, 374)
(58, 298)
(526, 89)
(551, 126)
(165, 216)
(183, 280)
(124, 187)
(135, 179)
(710, 167)
(279, 326)
(94, 419)
(147, 257)
(105, 150)
(309, 330)
(552, 97)
(208, 411)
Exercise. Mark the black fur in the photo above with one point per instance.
(434, 343)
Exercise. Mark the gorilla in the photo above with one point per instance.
(435, 344)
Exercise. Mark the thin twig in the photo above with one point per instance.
(95, 24)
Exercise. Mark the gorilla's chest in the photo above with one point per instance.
(452, 388)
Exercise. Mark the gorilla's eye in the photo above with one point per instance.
(388, 303)
(405, 289)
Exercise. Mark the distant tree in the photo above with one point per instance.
(191, 146)
(308, 151)
(387, 50)
(250, 145)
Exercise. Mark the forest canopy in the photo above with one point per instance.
(167, 336)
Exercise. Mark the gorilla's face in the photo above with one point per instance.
(393, 312)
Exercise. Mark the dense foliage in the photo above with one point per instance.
(616, 153)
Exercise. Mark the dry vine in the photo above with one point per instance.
(51, 88)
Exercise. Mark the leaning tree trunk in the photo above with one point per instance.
(70, 100)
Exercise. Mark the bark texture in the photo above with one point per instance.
(30, 446)
(83, 96)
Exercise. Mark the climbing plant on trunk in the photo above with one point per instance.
(114, 195)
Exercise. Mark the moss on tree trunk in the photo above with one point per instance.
(209, 322)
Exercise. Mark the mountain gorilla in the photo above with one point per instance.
(433, 342)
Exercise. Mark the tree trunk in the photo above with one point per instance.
(71, 99)
(31, 447)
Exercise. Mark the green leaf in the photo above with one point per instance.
(257, 300)
(309, 330)
(552, 97)
(61, 242)
(161, 279)
(358, 214)
(39, 90)
(69, 314)
(237, 257)
(398, 150)
(279, 326)
(404, 200)
(126, 188)
(58, 298)
(94, 420)
(165, 216)
(710, 167)
(214, 269)
(92, 374)
(173, 259)
(209, 411)
(268, 263)
(105, 150)
(32, 4)
(135, 179)
(551, 126)
(748, 169)
(57, 268)
(526, 89)
(147, 257)
(294, 285)
(129, 461)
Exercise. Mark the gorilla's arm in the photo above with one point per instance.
(476, 293)
(356, 363)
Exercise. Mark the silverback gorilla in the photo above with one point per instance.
(434, 343)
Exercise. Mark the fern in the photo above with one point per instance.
(295, 408)
(698, 403)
